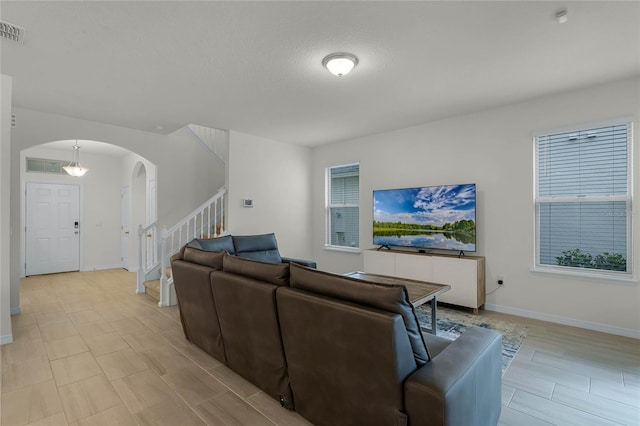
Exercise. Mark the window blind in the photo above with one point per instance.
(583, 198)
(343, 211)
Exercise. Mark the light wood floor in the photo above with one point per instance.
(88, 351)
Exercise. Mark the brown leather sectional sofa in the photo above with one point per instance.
(337, 350)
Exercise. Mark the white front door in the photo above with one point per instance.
(125, 207)
(53, 228)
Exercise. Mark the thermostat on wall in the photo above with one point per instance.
(247, 202)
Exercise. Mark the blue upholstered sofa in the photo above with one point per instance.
(257, 247)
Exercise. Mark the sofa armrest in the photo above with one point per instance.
(307, 263)
(462, 385)
(177, 256)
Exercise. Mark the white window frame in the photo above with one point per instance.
(328, 207)
(627, 276)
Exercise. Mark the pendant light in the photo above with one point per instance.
(74, 168)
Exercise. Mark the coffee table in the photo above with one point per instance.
(420, 292)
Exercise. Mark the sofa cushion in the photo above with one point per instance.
(391, 298)
(213, 259)
(258, 247)
(214, 244)
(249, 322)
(198, 314)
(273, 273)
(347, 362)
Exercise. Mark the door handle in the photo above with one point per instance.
(149, 235)
(126, 232)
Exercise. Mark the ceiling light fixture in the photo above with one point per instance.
(340, 63)
(74, 168)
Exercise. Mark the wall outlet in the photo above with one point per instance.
(500, 280)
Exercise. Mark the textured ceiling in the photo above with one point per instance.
(255, 67)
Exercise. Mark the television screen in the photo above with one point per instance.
(430, 217)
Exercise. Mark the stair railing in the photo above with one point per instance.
(147, 255)
(207, 221)
(215, 141)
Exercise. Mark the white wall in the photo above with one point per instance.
(195, 161)
(276, 176)
(494, 149)
(179, 187)
(99, 208)
(6, 335)
(139, 208)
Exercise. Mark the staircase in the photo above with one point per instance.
(157, 244)
(152, 287)
(154, 272)
(216, 141)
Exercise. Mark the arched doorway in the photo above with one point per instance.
(102, 201)
(138, 210)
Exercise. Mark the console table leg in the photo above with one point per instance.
(434, 307)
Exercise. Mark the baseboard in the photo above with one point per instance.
(15, 311)
(626, 332)
(100, 267)
(6, 339)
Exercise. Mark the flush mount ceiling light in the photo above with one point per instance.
(74, 168)
(340, 63)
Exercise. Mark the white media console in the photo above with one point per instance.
(465, 274)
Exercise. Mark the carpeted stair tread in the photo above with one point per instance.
(153, 288)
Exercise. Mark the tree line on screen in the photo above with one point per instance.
(457, 226)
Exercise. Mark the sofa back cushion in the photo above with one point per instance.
(198, 314)
(214, 244)
(347, 362)
(212, 259)
(272, 273)
(248, 317)
(258, 247)
(391, 298)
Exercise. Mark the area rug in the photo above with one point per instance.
(451, 323)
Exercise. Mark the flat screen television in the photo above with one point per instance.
(428, 217)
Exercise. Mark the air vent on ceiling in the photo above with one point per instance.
(11, 32)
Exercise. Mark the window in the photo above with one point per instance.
(342, 200)
(41, 165)
(583, 200)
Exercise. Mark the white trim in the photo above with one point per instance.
(619, 331)
(6, 339)
(16, 311)
(101, 267)
(343, 249)
(591, 274)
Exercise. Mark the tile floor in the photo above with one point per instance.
(88, 351)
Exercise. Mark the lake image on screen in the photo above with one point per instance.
(436, 217)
